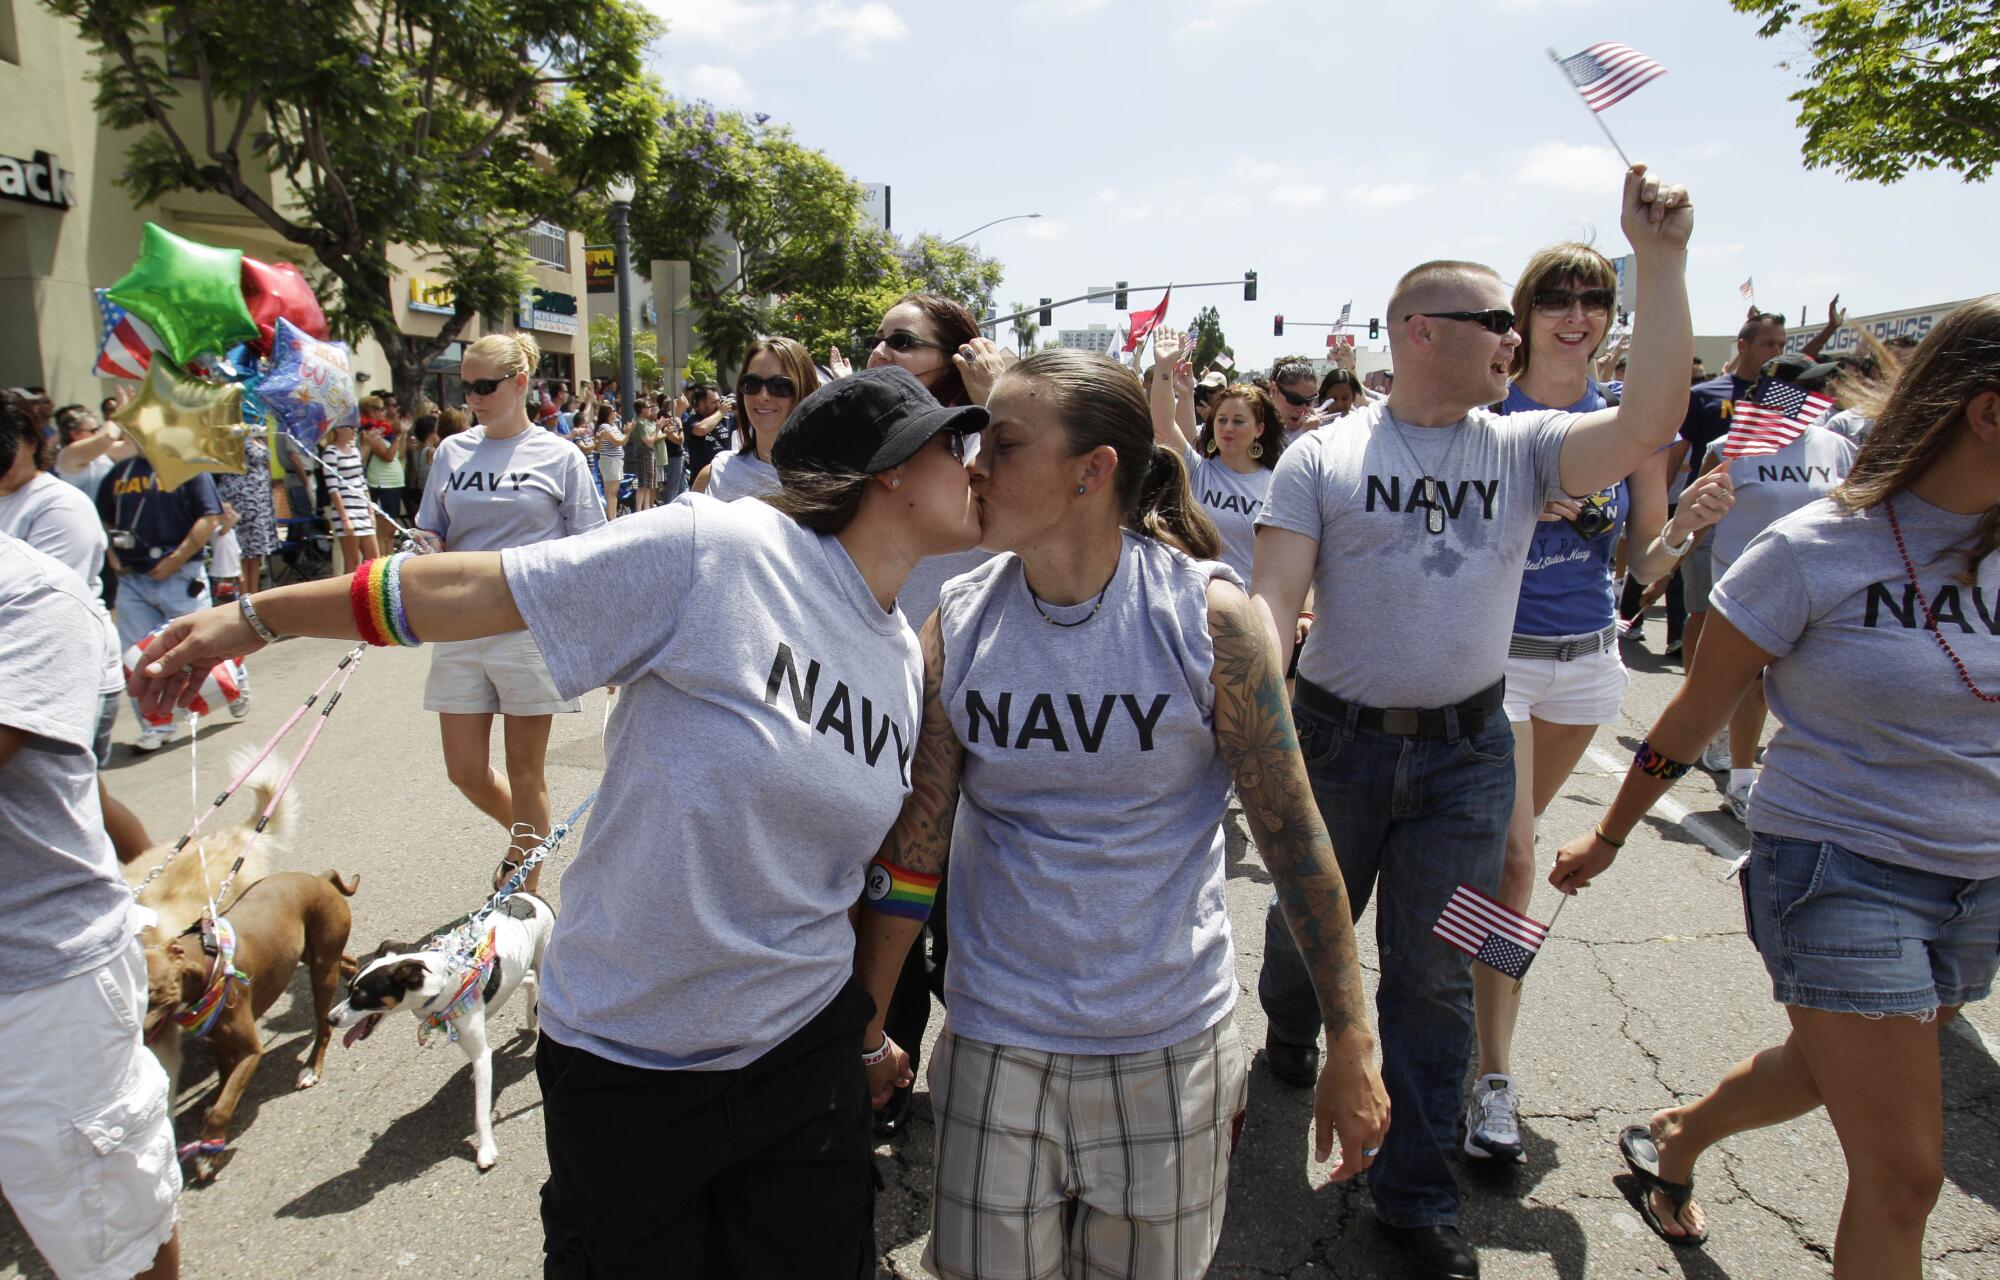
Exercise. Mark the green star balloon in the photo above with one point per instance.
(190, 293)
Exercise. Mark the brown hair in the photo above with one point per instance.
(1568, 260)
(1099, 402)
(450, 423)
(796, 363)
(956, 326)
(1270, 430)
(823, 501)
(1958, 360)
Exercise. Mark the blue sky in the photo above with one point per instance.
(1327, 146)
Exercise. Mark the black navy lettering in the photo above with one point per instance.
(1042, 724)
(1220, 501)
(1788, 474)
(1451, 498)
(1899, 599)
(836, 718)
(485, 481)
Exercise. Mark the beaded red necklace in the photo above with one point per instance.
(1930, 622)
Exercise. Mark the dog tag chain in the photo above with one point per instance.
(1433, 496)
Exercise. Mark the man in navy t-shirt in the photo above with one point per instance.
(157, 536)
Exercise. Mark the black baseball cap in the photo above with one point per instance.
(1799, 369)
(868, 422)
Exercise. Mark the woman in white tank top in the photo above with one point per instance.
(1089, 700)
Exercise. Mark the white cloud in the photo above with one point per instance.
(1482, 240)
(1045, 229)
(1387, 193)
(1136, 212)
(1199, 27)
(861, 26)
(1108, 195)
(1560, 166)
(1248, 170)
(1727, 250)
(717, 84)
(717, 20)
(1299, 195)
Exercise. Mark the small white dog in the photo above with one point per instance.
(452, 983)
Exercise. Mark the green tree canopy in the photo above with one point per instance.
(347, 129)
(1205, 333)
(604, 349)
(1894, 85)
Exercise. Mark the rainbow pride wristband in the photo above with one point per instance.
(375, 594)
(899, 891)
(1648, 761)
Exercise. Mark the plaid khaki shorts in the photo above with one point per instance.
(1073, 1165)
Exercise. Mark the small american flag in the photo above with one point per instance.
(1346, 310)
(1490, 933)
(1748, 289)
(1606, 74)
(127, 343)
(1224, 359)
(1778, 414)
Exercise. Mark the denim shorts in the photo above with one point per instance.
(1848, 934)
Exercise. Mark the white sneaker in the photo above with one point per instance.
(1738, 799)
(1715, 756)
(1493, 1121)
(153, 737)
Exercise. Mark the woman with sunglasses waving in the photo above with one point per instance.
(1872, 887)
(1229, 460)
(1564, 673)
(701, 1051)
(1088, 700)
(776, 373)
(504, 483)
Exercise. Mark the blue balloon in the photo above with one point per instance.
(308, 385)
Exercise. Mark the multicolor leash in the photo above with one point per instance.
(200, 1017)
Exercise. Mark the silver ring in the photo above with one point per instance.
(1370, 1152)
(188, 670)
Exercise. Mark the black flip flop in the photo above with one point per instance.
(1642, 1157)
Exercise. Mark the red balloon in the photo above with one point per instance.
(275, 290)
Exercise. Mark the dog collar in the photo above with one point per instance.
(200, 1017)
(478, 963)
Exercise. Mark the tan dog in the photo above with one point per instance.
(180, 894)
(283, 918)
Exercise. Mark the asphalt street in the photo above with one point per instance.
(1646, 993)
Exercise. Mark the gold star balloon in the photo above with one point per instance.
(185, 427)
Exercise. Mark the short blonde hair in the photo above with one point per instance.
(511, 353)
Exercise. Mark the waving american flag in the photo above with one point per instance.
(1490, 932)
(126, 344)
(1777, 414)
(1606, 74)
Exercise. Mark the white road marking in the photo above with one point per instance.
(1701, 826)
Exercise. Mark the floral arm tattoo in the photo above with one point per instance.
(1253, 728)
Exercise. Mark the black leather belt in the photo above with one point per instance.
(1408, 722)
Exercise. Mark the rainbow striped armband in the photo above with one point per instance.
(899, 891)
(1648, 761)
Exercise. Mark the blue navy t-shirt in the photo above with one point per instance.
(1567, 590)
(130, 498)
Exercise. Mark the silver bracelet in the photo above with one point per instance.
(1670, 548)
(249, 612)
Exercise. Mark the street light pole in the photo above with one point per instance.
(622, 191)
(1012, 217)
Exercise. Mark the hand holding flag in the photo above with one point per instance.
(1606, 74)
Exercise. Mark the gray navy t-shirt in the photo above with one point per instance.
(741, 475)
(1771, 486)
(57, 520)
(1086, 878)
(1880, 747)
(759, 754)
(1406, 617)
(488, 495)
(63, 901)
(1232, 499)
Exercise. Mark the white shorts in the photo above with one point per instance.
(225, 555)
(1585, 690)
(86, 1137)
(504, 674)
(611, 469)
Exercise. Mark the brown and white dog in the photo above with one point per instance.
(179, 895)
(441, 982)
(280, 920)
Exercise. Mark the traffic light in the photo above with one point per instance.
(1277, 326)
(1249, 286)
(1374, 329)
(1048, 315)
(1118, 298)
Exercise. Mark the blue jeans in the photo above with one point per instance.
(145, 605)
(1417, 815)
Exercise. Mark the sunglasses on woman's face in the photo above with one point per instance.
(1294, 399)
(487, 386)
(781, 387)
(1497, 320)
(1557, 302)
(903, 340)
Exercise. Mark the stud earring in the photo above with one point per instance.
(1080, 490)
(895, 482)
(1256, 450)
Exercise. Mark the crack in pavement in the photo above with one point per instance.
(1627, 1011)
(1823, 1252)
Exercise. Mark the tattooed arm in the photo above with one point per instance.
(920, 842)
(1253, 729)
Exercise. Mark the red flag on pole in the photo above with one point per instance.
(1144, 322)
